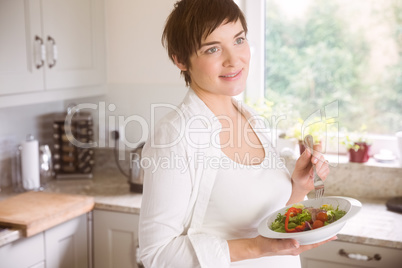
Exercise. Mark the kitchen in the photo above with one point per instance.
(136, 73)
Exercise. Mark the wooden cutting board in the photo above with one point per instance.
(34, 212)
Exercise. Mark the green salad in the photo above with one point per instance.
(299, 218)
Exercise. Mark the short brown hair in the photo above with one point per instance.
(191, 21)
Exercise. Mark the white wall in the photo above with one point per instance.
(139, 71)
(134, 51)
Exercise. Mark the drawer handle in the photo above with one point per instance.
(39, 53)
(359, 257)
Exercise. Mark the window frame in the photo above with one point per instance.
(254, 12)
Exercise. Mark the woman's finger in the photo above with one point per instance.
(316, 153)
(321, 162)
(322, 168)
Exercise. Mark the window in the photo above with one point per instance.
(321, 52)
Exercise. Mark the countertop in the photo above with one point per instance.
(374, 225)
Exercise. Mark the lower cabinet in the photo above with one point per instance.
(67, 244)
(337, 254)
(63, 246)
(115, 239)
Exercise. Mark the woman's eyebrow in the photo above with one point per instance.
(217, 42)
(240, 33)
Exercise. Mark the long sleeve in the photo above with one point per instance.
(177, 186)
(166, 197)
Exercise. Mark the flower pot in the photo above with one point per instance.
(361, 155)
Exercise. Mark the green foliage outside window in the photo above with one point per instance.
(331, 53)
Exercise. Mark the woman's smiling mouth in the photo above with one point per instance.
(231, 76)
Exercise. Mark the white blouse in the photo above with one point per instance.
(242, 197)
(180, 171)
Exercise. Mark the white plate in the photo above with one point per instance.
(350, 205)
(384, 158)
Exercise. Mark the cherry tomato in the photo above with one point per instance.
(318, 224)
(322, 216)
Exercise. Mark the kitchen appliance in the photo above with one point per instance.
(136, 173)
(73, 157)
(136, 179)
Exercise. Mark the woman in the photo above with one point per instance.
(213, 174)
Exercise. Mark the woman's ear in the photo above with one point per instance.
(181, 66)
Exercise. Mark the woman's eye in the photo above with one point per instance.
(240, 40)
(212, 50)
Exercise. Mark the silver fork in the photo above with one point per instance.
(318, 182)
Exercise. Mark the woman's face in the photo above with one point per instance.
(221, 64)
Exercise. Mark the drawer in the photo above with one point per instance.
(25, 252)
(338, 254)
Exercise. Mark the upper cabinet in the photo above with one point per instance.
(51, 50)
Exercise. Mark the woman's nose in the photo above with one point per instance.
(230, 58)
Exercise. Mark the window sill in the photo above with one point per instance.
(335, 160)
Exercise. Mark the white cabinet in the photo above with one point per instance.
(24, 253)
(64, 246)
(337, 254)
(67, 244)
(115, 239)
(51, 50)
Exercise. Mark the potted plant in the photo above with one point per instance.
(358, 147)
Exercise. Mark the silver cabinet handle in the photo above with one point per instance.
(54, 53)
(40, 53)
(359, 257)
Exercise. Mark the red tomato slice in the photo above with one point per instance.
(317, 224)
(322, 216)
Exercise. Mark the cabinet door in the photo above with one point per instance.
(67, 244)
(24, 253)
(115, 239)
(19, 52)
(76, 28)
